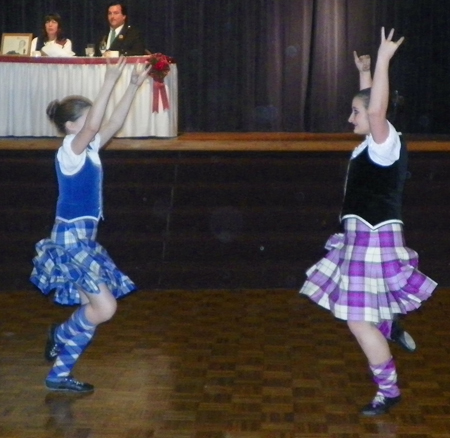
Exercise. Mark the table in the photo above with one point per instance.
(28, 84)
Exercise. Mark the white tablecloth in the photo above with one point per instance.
(27, 85)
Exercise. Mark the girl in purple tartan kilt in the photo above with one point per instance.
(70, 262)
(369, 277)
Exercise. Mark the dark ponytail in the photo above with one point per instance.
(67, 110)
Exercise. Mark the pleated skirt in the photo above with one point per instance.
(71, 259)
(368, 275)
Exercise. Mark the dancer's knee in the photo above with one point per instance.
(105, 310)
(102, 306)
(359, 328)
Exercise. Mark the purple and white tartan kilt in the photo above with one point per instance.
(71, 259)
(368, 275)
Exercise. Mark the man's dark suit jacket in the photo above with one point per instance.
(129, 42)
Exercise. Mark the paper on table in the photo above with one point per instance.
(56, 51)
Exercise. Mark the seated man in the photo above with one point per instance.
(126, 40)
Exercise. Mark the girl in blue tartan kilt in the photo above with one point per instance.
(70, 262)
(369, 277)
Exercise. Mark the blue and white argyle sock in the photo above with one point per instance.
(78, 333)
(77, 323)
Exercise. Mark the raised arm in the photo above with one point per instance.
(97, 111)
(138, 75)
(379, 96)
(363, 65)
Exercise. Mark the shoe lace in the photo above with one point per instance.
(72, 379)
(54, 350)
(379, 399)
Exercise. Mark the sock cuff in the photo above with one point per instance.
(82, 319)
(383, 367)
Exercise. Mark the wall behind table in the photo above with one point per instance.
(285, 65)
(193, 220)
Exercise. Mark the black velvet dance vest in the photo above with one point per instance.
(374, 192)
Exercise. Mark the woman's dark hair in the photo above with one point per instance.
(53, 17)
(364, 95)
(67, 110)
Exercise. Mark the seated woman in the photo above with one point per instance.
(52, 41)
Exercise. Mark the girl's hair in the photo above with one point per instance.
(56, 17)
(67, 110)
(364, 95)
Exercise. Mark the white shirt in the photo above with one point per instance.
(385, 153)
(69, 162)
(117, 31)
(53, 49)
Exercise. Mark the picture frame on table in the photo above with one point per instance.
(18, 44)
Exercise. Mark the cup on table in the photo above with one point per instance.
(111, 54)
(90, 50)
(36, 53)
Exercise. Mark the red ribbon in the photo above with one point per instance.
(159, 89)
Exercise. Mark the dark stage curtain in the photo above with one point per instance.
(274, 65)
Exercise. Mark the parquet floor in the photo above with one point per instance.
(219, 364)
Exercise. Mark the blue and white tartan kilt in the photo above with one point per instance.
(71, 259)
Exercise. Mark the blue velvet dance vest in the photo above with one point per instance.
(374, 192)
(80, 195)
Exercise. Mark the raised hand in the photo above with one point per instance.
(139, 73)
(362, 62)
(387, 46)
(113, 71)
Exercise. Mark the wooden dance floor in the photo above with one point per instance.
(217, 231)
(219, 364)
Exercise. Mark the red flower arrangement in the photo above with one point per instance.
(160, 66)
(159, 69)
